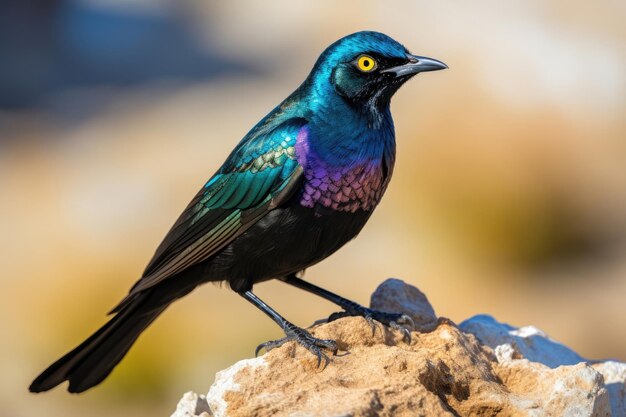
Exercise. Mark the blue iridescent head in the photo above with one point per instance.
(367, 68)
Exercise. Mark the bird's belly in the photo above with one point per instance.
(285, 241)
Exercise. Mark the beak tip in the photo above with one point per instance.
(434, 64)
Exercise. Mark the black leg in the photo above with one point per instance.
(398, 321)
(292, 332)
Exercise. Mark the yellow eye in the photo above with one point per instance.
(366, 63)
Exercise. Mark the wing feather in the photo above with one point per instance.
(258, 176)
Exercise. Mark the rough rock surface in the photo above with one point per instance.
(445, 371)
(524, 342)
(192, 405)
(512, 343)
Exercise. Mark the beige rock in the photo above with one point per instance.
(443, 372)
(575, 390)
(614, 374)
(192, 405)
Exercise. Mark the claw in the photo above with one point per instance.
(304, 339)
(321, 355)
(406, 334)
(373, 323)
(314, 346)
(269, 345)
(258, 349)
(406, 325)
(407, 320)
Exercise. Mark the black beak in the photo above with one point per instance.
(416, 64)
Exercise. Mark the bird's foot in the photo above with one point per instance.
(303, 338)
(397, 321)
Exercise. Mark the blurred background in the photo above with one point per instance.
(509, 194)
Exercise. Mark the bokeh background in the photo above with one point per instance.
(509, 195)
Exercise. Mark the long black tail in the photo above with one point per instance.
(94, 359)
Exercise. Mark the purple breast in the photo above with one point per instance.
(357, 186)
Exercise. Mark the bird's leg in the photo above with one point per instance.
(397, 321)
(292, 332)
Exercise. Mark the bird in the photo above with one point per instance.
(299, 185)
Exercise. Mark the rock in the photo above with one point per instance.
(525, 342)
(445, 371)
(225, 383)
(575, 390)
(614, 374)
(511, 343)
(394, 295)
(192, 405)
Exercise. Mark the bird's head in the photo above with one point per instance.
(367, 68)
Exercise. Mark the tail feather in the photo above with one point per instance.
(94, 359)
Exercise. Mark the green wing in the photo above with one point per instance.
(259, 175)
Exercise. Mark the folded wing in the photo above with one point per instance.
(259, 175)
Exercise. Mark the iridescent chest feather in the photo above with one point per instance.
(357, 185)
